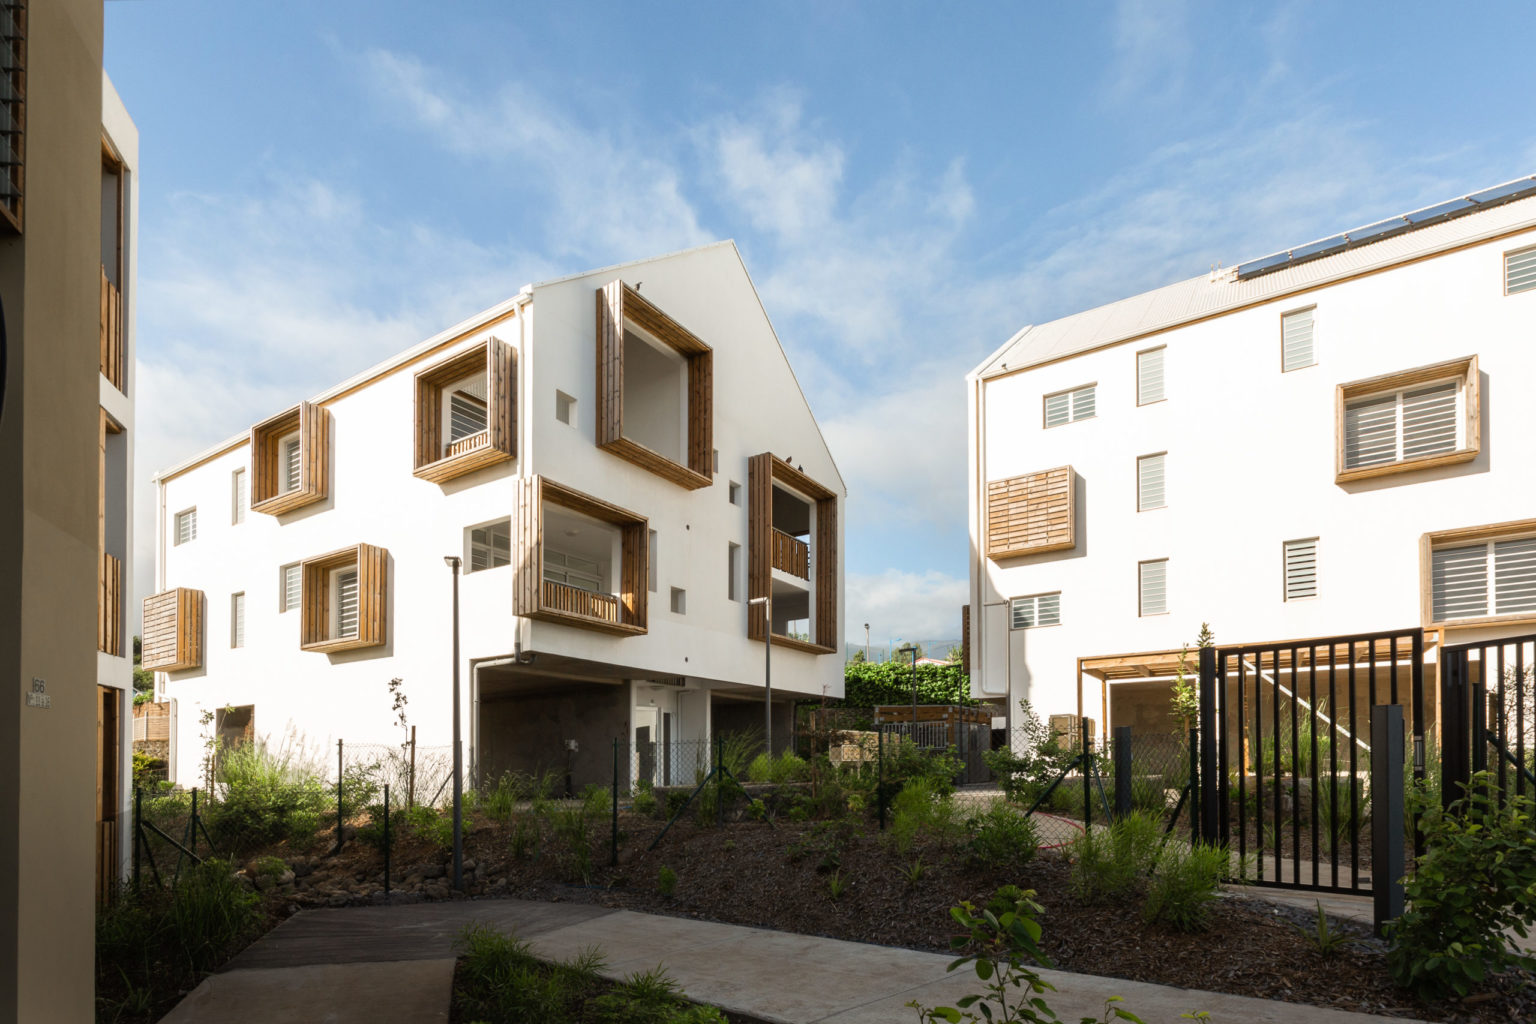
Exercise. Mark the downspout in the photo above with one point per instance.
(475, 665)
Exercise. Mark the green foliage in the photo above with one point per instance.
(500, 802)
(920, 810)
(785, 768)
(867, 684)
(1184, 701)
(1475, 883)
(737, 749)
(645, 798)
(914, 871)
(1001, 837)
(574, 831)
(1024, 774)
(596, 800)
(372, 833)
(666, 881)
(1184, 885)
(836, 886)
(147, 771)
(906, 763)
(143, 694)
(1111, 864)
(426, 824)
(1324, 937)
(267, 797)
(360, 787)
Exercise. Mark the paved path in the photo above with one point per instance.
(383, 964)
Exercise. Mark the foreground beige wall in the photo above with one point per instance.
(49, 284)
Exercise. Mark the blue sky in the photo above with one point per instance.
(324, 184)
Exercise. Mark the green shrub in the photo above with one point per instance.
(737, 749)
(427, 824)
(1184, 885)
(524, 840)
(501, 800)
(761, 769)
(666, 881)
(360, 787)
(596, 800)
(574, 830)
(1023, 773)
(1001, 837)
(867, 684)
(372, 834)
(267, 797)
(645, 798)
(1475, 883)
(1111, 864)
(650, 997)
(921, 810)
(789, 767)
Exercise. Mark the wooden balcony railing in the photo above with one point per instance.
(468, 444)
(109, 616)
(791, 555)
(561, 597)
(111, 338)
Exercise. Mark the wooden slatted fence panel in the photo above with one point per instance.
(171, 631)
(1031, 513)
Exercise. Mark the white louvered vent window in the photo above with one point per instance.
(1150, 482)
(1496, 578)
(346, 603)
(293, 576)
(1519, 271)
(1297, 348)
(490, 546)
(1069, 406)
(237, 620)
(466, 416)
(239, 499)
(1300, 569)
(292, 467)
(1149, 376)
(186, 526)
(1153, 580)
(1035, 610)
(1384, 429)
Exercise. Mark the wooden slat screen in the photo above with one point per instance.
(762, 471)
(791, 555)
(561, 597)
(111, 339)
(313, 424)
(535, 598)
(497, 443)
(172, 631)
(372, 563)
(109, 624)
(1031, 513)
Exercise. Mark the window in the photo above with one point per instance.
(292, 581)
(679, 601)
(237, 496)
(292, 467)
(1069, 406)
(1520, 271)
(1296, 340)
(650, 581)
(345, 597)
(1411, 420)
(734, 493)
(1149, 376)
(733, 572)
(1035, 610)
(464, 412)
(290, 460)
(1300, 569)
(13, 71)
(565, 407)
(344, 600)
(1152, 578)
(237, 619)
(186, 526)
(490, 546)
(573, 571)
(466, 416)
(1150, 482)
(1496, 577)
(715, 459)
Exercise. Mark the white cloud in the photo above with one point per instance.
(904, 605)
(1152, 48)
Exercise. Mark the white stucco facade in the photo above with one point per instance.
(1250, 457)
(682, 665)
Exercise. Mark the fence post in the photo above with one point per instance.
(1210, 776)
(1194, 784)
(1087, 762)
(1122, 771)
(410, 780)
(192, 826)
(880, 773)
(613, 852)
(1387, 857)
(138, 816)
(1455, 767)
(339, 822)
(386, 842)
(719, 788)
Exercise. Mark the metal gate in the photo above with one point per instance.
(1286, 753)
(1488, 696)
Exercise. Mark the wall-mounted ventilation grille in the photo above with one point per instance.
(1300, 569)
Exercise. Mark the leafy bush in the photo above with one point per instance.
(267, 797)
(574, 830)
(1475, 883)
(867, 684)
(1001, 837)
(737, 749)
(1184, 885)
(501, 800)
(761, 769)
(666, 881)
(427, 824)
(1111, 864)
(920, 810)
(1024, 773)
(906, 763)
(596, 800)
(645, 798)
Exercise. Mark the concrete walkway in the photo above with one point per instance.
(384, 964)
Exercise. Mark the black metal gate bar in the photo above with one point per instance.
(1477, 712)
(1242, 757)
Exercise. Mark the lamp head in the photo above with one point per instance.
(452, 561)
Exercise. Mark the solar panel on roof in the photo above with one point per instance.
(1440, 211)
(1504, 193)
(1376, 232)
(1315, 249)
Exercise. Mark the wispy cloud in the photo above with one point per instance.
(1152, 49)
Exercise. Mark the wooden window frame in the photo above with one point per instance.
(1042, 488)
(172, 631)
(762, 472)
(528, 591)
(12, 213)
(313, 425)
(618, 304)
(499, 362)
(372, 565)
(1464, 370)
(1517, 529)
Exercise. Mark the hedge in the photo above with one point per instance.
(870, 683)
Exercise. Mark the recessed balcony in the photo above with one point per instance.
(580, 561)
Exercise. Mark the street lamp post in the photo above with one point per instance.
(912, 650)
(767, 603)
(453, 564)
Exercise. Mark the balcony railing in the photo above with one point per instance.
(791, 555)
(561, 597)
(109, 616)
(111, 338)
(468, 444)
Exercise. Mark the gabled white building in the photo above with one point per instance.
(1336, 439)
(621, 459)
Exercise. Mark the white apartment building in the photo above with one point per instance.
(1332, 440)
(621, 459)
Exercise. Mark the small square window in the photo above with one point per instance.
(1071, 406)
(292, 582)
(565, 407)
(679, 601)
(490, 546)
(186, 526)
(1035, 610)
(734, 491)
(1519, 271)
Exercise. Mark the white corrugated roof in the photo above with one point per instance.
(1221, 292)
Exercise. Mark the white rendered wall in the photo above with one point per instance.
(1250, 465)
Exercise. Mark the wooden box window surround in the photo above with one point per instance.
(1031, 513)
(1415, 419)
(619, 305)
(345, 599)
(762, 472)
(457, 431)
(1478, 575)
(536, 597)
(290, 464)
(13, 65)
(173, 631)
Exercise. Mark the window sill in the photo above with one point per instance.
(1344, 476)
(646, 458)
(801, 645)
(1517, 619)
(286, 502)
(450, 467)
(591, 622)
(341, 643)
